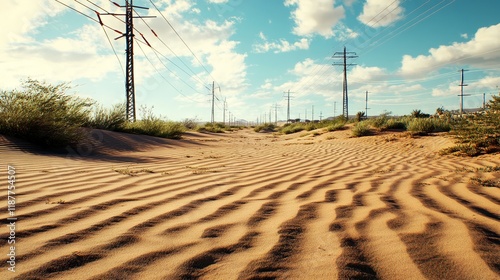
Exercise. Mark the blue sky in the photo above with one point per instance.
(409, 54)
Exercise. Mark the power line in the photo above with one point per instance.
(288, 106)
(184, 42)
(462, 85)
(345, 98)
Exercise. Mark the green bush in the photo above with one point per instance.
(157, 127)
(267, 127)
(361, 129)
(213, 127)
(395, 123)
(292, 128)
(154, 126)
(43, 114)
(380, 121)
(190, 123)
(479, 133)
(336, 126)
(425, 126)
(109, 119)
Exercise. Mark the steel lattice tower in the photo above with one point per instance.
(345, 98)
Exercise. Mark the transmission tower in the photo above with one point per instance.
(275, 107)
(288, 106)
(462, 85)
(129, 38)
(345, 99)
(366, 105)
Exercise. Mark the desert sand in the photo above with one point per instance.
(246, 205)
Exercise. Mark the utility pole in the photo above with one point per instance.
(366, 105)
(224, 112)
(213, 101)
(345, 98)
(129, 38)
(484, 101)
(288, 106)
(320, 116)
(462, 85)
(276, 113)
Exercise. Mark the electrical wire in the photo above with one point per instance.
(163, 42)
(184, 42)
(163, 77)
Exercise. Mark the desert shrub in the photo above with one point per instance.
(425, 126)
(311, 126)
(360, 116)
(361, 129)
(380, 121)
(336, 126)
(156, 127)
(213, 127)
(149, 124)
(292, 128)
(480, 131)
(190, 123)
(419, 114)
(109, 119)
(395, 123)
(43, 114)
(267, 127)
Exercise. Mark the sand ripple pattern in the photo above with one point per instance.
(256, 206)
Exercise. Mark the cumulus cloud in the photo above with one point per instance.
(281, 46)
(482, 51)
(376, 13)
(218, 1)
(84, 52)
(315, 17)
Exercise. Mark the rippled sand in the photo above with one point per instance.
(244, 205)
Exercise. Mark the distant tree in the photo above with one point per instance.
(440, 111)
(419, 114)
(360, 116)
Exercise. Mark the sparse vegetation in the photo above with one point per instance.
(290, 128)
(43, 114)
(361, 129)
(213, 127)
(478, 133)
(485, 183)
(330, 125)
(109, 119)
(267, 127)
(360, 116)
(424, 126)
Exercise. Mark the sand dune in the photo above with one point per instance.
(244, 205)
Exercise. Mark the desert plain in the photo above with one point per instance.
(247, 205)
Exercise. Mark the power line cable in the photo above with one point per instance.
(184, 42)
(163, 42)
(163, 77)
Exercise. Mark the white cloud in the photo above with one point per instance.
(343, 33)
(376, 13)
(282, 46)
(488, 83)
(349, 3)
(482, 51)
(84, 53)
(464, 35)
(315, 17)
(262, 36)
(218, 1)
